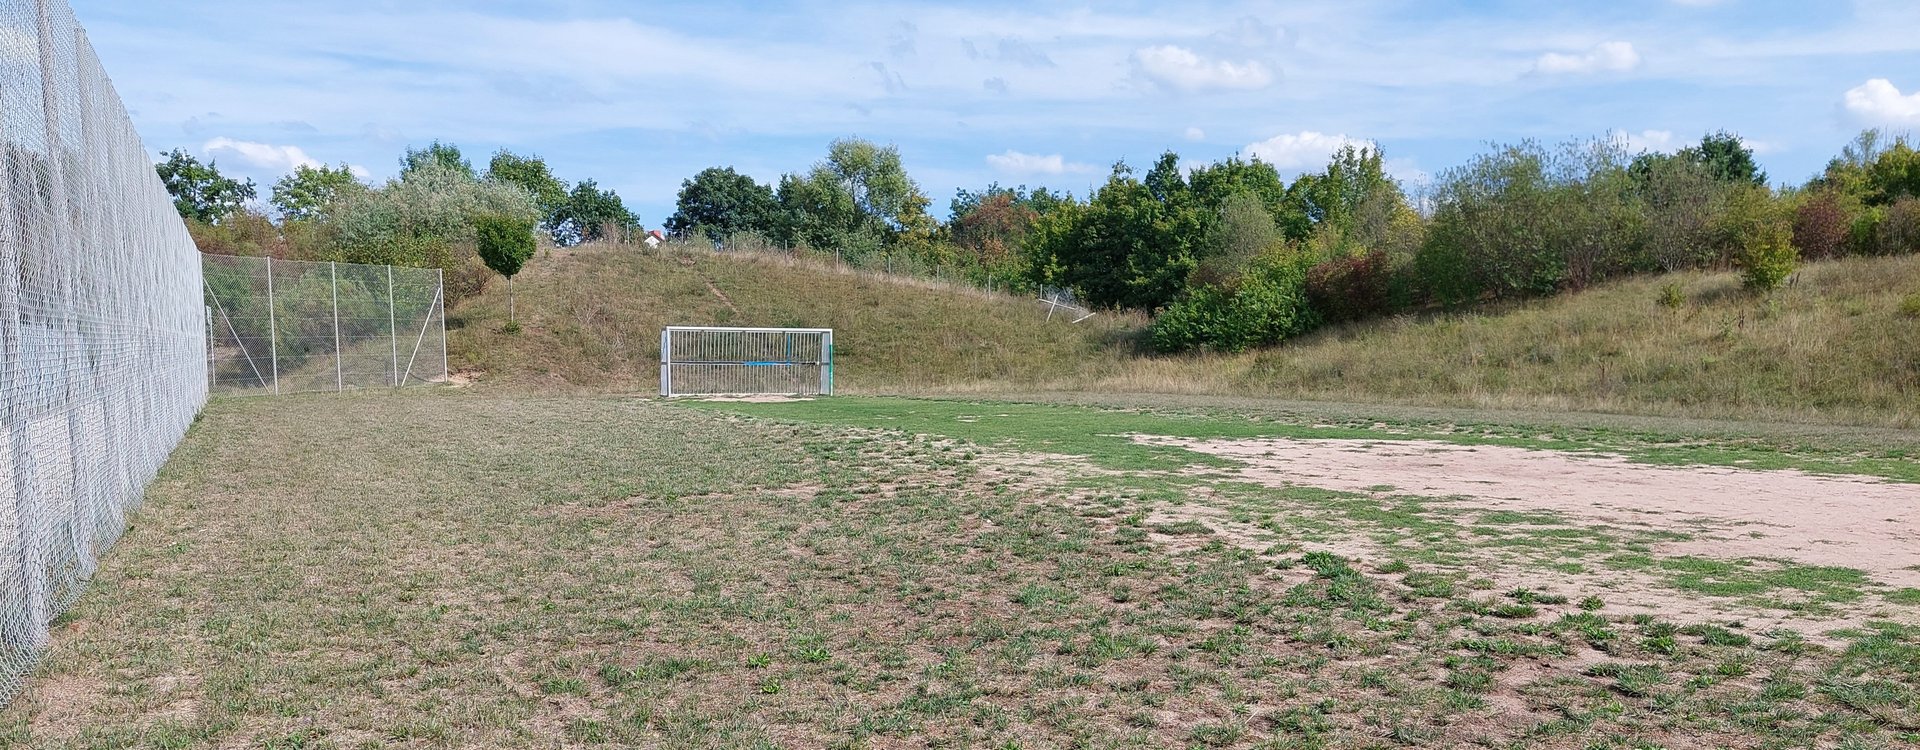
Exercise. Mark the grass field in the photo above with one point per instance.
(458, 569)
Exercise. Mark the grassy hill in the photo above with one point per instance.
(1840, 344)
(591, 320)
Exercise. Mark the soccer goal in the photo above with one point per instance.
(707, 361)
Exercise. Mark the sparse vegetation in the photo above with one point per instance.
(625, 572)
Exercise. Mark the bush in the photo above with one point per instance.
(1268, 306)
(1820, 226)
(1348, 289)
(1671, 295)
(1758, 238)
(1910, 306)
(1899, 233)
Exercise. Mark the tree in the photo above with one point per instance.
(1126, 247)
(445, 155)
(308, 191)
(589, 212)
(872, 177)
(199, 191)
(532, 174)
(1721, 154)
(504, 243)
(1680, 198)
(720, 202)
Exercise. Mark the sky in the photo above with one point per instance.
(640, 96)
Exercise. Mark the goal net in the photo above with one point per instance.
(707, 361)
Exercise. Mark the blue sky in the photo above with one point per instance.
(641, 95)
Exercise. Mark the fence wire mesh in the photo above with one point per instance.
(283, 326)
(700, 361)
(101, 323)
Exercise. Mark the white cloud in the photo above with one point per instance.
(1879, 102)
(264, 156)
(1604, 57)
(1304, 150)
(1657, 141)
(1196, 134)
(1180, 69)
(1015, 162)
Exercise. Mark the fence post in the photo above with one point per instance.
(273, 329)
(213, 375)
(666, 363)
(393, 329)
(339, 380)
(446, 370)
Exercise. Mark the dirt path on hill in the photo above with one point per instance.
(1854, 522)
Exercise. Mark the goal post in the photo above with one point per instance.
(713, 361)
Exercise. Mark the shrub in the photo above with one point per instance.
(1671, 295)
(1268, 305)
(1821, 225)
(1910, 306)
(1758, 238)
(1353, 288)
(1899, 233)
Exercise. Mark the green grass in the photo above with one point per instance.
(448, 569)
(1101, 433)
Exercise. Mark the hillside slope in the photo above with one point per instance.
(591, 319)
(1840, 344)
(1835, 346)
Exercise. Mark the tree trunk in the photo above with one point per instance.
(509, 299)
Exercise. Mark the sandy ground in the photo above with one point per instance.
(1854, 522)
(753, 399)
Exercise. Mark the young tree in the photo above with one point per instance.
(309, 190)
(721, 202)
(505, 243)
(199, 191)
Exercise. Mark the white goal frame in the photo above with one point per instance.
(719, 361)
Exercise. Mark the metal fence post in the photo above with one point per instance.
(273, 329)
(446, 373)
(393, 329)
(339, 380)
(666, 364)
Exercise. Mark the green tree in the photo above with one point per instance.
(199, 191)
(1727, 158)
(504, 244)
(307, 192)
(873, 178)
(1128, 247)
(445, 155)
(532, 174)
(720, 202)
(589, 213)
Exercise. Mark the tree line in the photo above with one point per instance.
(438, 212)
(1229, 255)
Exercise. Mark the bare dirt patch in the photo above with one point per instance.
(1866, 524)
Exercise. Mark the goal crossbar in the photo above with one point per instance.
(736, 361)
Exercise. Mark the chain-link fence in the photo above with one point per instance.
(284, 326)
(102, 341)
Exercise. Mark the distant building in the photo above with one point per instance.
(654, 238)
